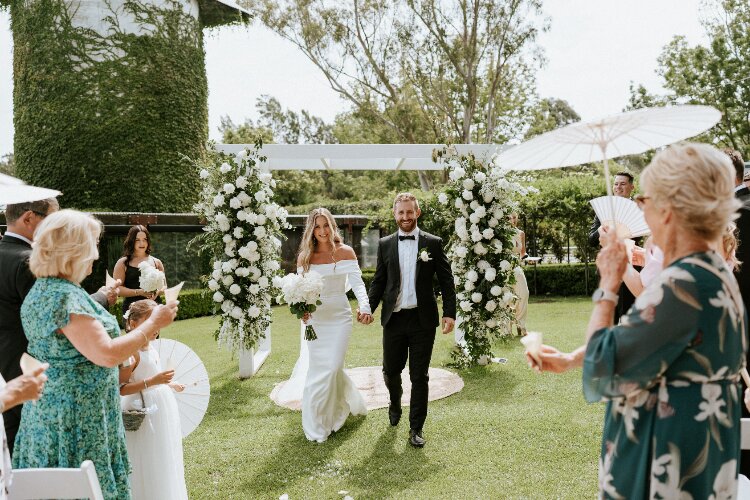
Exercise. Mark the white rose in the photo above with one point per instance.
(227, 280)
(488, 234)
(487, 197)
(457, 173)
(218, 297)
(476, 236)
(492, 222)
(227, 306)
(456, 279)
(252, 246)
(229, 251)
(235, 203)
(236, 313)
(260, 219)
(507, 297)
(480, 177)
(242, 272)
(497, 244)
(498, 213)
(263, 282)
(443, 199)
(490, 274)
(474, 218)
(461, 251)
(469, 184)
(244, 198)
(238, 232)
(483, 265)
(459, 203)
(472, 276)
(253, 257)
(216, 274)
(252, 218)
(241, 182)
(505, 266)
(265, 177)
(255, 272)
(467, 195)
(225, 167)
(226, 266)
(217, 264)
(226, 238)
(204, 173)
(474, 205)
(254, 289)
(223, 222)
(480, 211)
(491, 305)
(469, 286)
(259, 232)
(229, 188)
(235, 289)
(213, 285)
(271, 211)
(476, 297)
(260, 196)
(492, 322)
(460, 223)
(218, 200)
(241, 215)
(496, 291)
(253, 312)
(466, 306)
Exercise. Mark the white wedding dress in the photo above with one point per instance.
(328, 394)
(155, 449)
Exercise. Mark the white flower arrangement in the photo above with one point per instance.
(151, 279)
(242, 233)
(479, 197)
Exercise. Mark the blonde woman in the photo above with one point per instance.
(669, 371)
(521, 287)
(328, 394)
(78, 417)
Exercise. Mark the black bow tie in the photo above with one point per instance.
(402, 237)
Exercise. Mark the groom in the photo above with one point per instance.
(407, 262)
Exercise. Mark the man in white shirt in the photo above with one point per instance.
(407, 262)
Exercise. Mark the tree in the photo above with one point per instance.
(428, 71)
(549, 114)
(715, 74)
(8, 164)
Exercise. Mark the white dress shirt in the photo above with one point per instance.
(407, 262)
(18, 236)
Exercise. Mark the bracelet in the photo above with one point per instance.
(145, 385)
(144, 336)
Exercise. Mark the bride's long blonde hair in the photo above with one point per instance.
(308, 243)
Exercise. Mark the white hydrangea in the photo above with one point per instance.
(476, 236)
(204, 174)
(505, 266)
(493, 222)
(480, 177)
(472, 276)
(468, 184)
(496, 291)
(457, 173)
(259, 232)
(218, 297)
(483, 265)
(241, 182)
(213, 285)
(461, 251)
(465, 305)
(229, 188)
(265, 177)
(236, 312)
(225, 167)
(218, 200)
(480, 211)
(235, 203)
(443, 199)
(254, 289)
(490, 274)
(491, 305)
(488, 234)
(491, 323)
(223, 222)
(241, 215)
(467, 195)
(235, 289)
(238, 232)
(253, 312)
(260, 196)
(263, 282)
(216, 274)
(227, 280)
(476, 297)
(260, 219)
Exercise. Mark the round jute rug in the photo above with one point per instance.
(369, 381)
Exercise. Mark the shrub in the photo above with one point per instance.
(193, 304)
(561, 279)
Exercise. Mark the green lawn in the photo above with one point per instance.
(510, 433)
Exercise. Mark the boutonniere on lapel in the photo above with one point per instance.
(424, 255)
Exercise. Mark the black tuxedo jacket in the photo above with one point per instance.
(743, 249)
(386, 283)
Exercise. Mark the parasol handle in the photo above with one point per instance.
(745, 376)
(608, 183)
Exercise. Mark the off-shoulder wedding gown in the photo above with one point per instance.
(328, 394)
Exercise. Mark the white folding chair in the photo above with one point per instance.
(28, 484)
(743, 492)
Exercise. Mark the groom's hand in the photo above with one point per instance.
(448, 324)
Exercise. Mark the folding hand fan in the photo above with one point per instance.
(192, 402)
(628, 218)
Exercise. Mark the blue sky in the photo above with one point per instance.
(594, 49)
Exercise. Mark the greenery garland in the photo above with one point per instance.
(478, 199)
(243, 232)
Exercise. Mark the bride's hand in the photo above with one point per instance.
(365, 318)
(306, 317)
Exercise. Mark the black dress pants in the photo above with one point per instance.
(404, 337)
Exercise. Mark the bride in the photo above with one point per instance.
(328, 394)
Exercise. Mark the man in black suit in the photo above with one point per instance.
(742, 193)
(624, 187)
(407, 262)
(15, 282)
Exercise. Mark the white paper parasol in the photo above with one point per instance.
(628, 133)
(188, 370)
(13, 190)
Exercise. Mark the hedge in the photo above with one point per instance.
(193, 304)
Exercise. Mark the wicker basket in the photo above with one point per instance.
(132, 419)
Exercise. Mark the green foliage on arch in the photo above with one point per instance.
(110, 120)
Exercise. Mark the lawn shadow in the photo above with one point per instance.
(483, 382)
(392, 466)
(232, 397)
(297, 459)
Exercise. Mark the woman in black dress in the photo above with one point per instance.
(137, 249)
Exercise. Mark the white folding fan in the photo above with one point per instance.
(627, 217)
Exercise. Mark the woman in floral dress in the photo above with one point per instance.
(669, 371)
(78, 417)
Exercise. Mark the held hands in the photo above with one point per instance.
(612, 261)
(448, 324)
(364, 318)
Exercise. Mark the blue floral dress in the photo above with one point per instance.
(670, 374)
(78, 418)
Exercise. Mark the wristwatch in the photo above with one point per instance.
(602, 294)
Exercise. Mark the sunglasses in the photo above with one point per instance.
(640, 200)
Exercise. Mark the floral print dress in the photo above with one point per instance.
(670, 374)
(5, 470)
(78, 417)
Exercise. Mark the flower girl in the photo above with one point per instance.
(155, 449)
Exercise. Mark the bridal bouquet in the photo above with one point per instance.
(302, 293)
(151, 278)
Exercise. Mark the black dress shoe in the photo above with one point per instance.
(416, 439)
(394, 414)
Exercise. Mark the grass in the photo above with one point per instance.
(510, 433)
